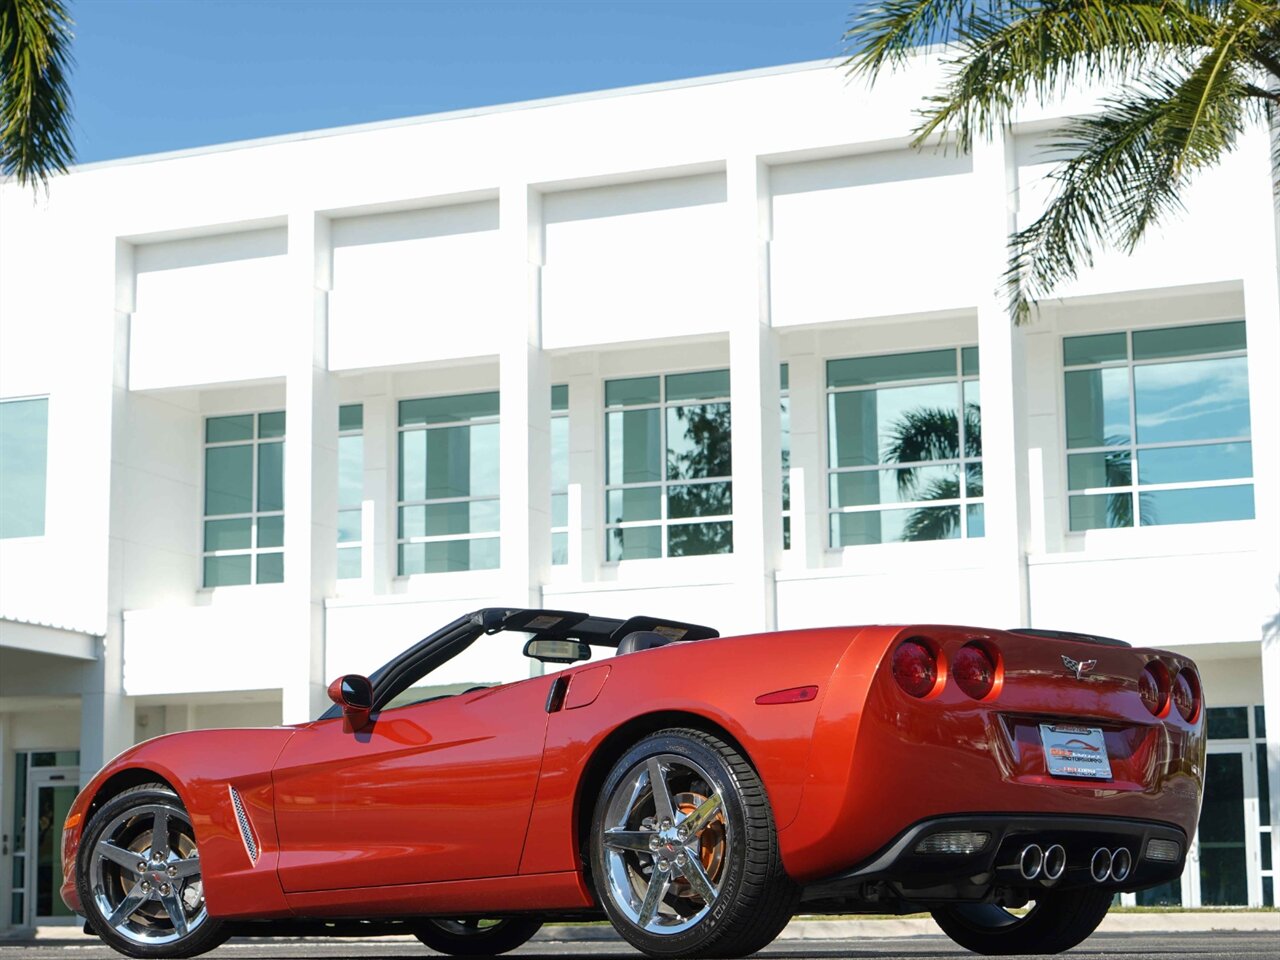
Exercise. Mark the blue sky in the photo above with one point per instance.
(157, 75)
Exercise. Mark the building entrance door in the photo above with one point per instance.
(50, 793)
(1224, 868)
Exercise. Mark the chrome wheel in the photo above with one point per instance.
(144, 875)
(666, 843)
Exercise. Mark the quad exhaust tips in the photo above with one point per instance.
(1047, 863)
(1111, 864)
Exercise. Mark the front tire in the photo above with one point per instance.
(138, 876)
(1057, 922)
(470, 937)
(684, 851)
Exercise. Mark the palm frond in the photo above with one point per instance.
(35, 97)
(883, 34)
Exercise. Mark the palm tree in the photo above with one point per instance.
(35, 99)
(1190, 77)
(933, 433)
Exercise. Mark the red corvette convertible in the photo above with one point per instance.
(697, 791)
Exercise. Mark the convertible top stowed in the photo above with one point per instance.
(597, 631)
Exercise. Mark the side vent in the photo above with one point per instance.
(246, 831)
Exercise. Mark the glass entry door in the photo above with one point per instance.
(1224, 870)
(50, 793)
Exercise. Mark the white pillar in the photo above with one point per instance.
(525, 403)
(378, 518)
(311, 468)
(586, 471)
(754, 394)
(1002, 353)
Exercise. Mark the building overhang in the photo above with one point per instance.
(48, 639)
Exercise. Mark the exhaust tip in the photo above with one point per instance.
(1030, 861)
(1121, 864)
(1100, 864)
(1055, 862)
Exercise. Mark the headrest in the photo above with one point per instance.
(641, 640)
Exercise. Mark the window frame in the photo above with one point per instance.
(254, 551)
(963, 502)
(1134, 447)
(662, 521)
(398, 478)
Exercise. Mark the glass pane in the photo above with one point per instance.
(271, 531)
(700, 500)
(969, 361)
(24, 441)
(972, 480)
(894, 425)
(1101, 348)
(1188, 341)
(1228, 723)
(52, 806)
(1204, 505)
(449, 556)
(784, 376)
(449, 462)
(1087, 470)
(1224, 869)
(560, 396)
(635, 503)
(559, 510)
(1264, 786)
(891, 526)
(270, 425)
(864, 371)
(868, 487)
(698, 444)
(18, 909)
(1097, 407)
(559, 453)
(633, 439)
(350, 471)
(271, 568)
(704, 385)
(224, 429)
(699, 539)
(468, 406)
(977, 520)
(349, 567)
(349, 527)
(271, 476)
(1192, 400)
(228, 534)
(1216, 461)
(635, 390)
(1100, 511)
(351, 417)
(786, 533)
(972, 419)
(559, 549)
(446, 519)
(228, 480)
(635, 543)
(1259, 721)
(227, 571)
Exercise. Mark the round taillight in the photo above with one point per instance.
(1186, 694)
(1153, 688)
(915, 668)
(974, 670)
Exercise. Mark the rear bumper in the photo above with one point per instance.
(904, 872)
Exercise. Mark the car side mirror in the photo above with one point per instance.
(354, 694)
(557, 651)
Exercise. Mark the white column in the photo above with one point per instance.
(808, 471)
(1002, 350)
(525, 403)
(586, 471)
(378, 541)
(310, 470)
(754, 393)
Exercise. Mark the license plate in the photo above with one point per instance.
(1075, 751)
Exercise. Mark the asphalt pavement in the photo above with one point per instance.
(1220, 945)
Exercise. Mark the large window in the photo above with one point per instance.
(350, 489)
(1157, 426)
(24, 441)
(668, 475)
(904, 447)
(244, 499)
(559, 475)
(448, 490)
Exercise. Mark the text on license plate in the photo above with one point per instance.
(1075, 751)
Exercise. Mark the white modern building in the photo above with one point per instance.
(726, 349)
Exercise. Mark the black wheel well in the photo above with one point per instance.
(118, 783)
(612, 747)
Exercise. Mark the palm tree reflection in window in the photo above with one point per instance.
(699, 448)
(932, 434)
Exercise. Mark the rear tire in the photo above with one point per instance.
(1057, 922)
(471, 937)
(693, 870)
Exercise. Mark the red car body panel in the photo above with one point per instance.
(476, 802)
